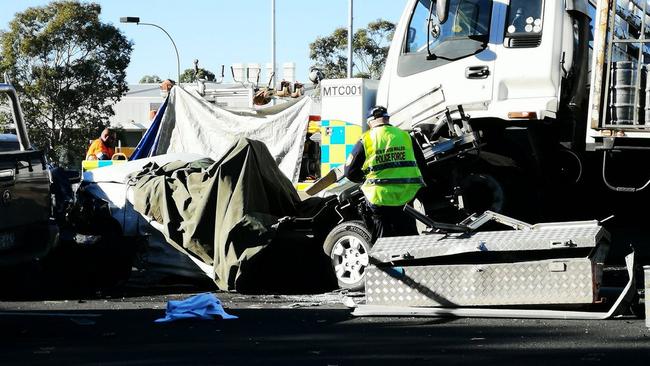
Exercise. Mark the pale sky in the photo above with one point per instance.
(224, 32)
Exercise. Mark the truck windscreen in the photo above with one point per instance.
(467, 19)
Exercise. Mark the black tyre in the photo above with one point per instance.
(348, 246)
(506, 191)
(482, 192)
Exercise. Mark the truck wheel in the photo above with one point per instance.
(348, 246)
(482, 192)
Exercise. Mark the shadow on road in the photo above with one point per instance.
(306, 337)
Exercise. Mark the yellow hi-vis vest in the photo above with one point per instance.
(392, 174)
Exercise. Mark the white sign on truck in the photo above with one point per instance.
(347, 100)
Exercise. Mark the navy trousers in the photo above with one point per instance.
(390, 221)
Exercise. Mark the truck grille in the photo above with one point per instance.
(524, 42)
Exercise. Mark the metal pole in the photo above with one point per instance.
(273, 44)
(178, 59)
(350, 29)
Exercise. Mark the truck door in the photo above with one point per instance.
(457, 55)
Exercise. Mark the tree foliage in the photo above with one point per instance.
(5, 113)
(150, 79)
(188, 75)
(370, 48)
(69, 69)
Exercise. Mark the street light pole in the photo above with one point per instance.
(273, 43)
(350, 36)
(136, 20)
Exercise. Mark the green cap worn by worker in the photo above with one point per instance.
(387, 163)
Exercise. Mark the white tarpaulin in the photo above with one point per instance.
(193, 125)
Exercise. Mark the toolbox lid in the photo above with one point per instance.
(540, 237)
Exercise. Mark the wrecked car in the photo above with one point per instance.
(238, 219)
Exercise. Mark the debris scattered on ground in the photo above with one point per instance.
(349, 302)
(303, 304)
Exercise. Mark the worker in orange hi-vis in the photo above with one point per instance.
(102, 148)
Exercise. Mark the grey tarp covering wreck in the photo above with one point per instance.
(190, 124)
(226, 213)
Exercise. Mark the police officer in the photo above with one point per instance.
(386, 161)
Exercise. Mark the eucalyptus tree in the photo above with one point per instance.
(370, 48)
(69, 69)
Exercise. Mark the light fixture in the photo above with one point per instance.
(136, 20)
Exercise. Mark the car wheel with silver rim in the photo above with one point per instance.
(348, 246)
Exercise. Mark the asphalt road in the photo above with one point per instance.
(119, 329)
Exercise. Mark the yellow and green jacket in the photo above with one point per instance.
(385, 160)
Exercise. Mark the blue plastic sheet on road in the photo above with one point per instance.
(202, 306)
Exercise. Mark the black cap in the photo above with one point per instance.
(378, 112)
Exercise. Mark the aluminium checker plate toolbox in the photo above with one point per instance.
(496, 268)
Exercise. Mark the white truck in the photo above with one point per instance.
(557, 88)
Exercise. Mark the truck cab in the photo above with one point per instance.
(570, 74)
(560, 87)
(505, 61)
(520, 68)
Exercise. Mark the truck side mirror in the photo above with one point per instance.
(442, 10)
